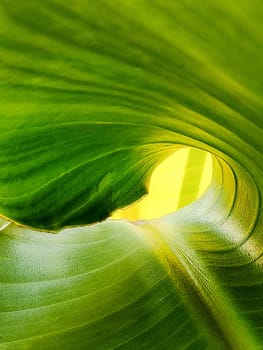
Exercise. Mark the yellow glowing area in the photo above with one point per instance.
(176, 182)
(206, 175)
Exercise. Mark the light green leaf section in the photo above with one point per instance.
(95, 94)
(100, 287)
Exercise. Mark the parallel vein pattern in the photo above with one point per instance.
(94, 94)
(89, 288)
(86, 79)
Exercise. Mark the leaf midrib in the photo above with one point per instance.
(213, 307)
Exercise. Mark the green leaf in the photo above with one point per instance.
(89, 107)
(101, 287)
(95, 94)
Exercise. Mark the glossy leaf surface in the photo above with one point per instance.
(94, 94)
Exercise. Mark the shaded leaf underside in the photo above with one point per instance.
(93, 96)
